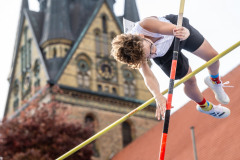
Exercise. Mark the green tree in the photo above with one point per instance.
(43, 132)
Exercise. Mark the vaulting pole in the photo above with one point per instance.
(119, 121)
(171, 85)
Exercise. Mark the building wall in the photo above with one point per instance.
(105, 112)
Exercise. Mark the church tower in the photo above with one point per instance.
(67, 43)
(57, 36)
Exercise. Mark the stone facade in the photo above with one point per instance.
(104, 112)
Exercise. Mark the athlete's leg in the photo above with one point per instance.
(191, 89)
(207, 52)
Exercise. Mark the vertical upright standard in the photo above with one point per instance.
(171, 85)
(194, 143)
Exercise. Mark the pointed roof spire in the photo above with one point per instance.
(111, 3)
(56, 21)
(131, 11)
(42, 4)
(24, 5)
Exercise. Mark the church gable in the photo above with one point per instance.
(93, 68)
(93, 52)
(29, 74)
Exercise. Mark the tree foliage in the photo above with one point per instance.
(43, 132)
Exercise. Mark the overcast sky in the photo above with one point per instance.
(217, 20)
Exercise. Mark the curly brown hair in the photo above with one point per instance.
(128, 49)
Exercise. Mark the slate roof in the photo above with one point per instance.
(131, 11)
(56, 21)
(36, 19)
(216, 139)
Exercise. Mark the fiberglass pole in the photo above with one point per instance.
(171, 85)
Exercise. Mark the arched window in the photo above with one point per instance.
(114, 90)
(26, 47)
(15, 104)
(16, 91)
(66, 50)
(97, 35)
(16, 87)
(36, 70)
(83, 74)
(105, 36)
(83, 63)
(90, 121)
(23, 60)
(26, 52)
(129, 83)
(29, 52)
(104, 23)
(99, 88)
(54, 52)
(126, 133)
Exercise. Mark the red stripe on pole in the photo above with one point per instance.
(163, 146)
(173, 69)
(169, 102)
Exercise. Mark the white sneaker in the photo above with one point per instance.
(218, 90)
(217, 111)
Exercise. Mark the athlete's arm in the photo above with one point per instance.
(153, 86)
(152, 24)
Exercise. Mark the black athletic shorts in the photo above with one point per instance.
(191, 44)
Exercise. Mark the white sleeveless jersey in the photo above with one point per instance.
(162, 44)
